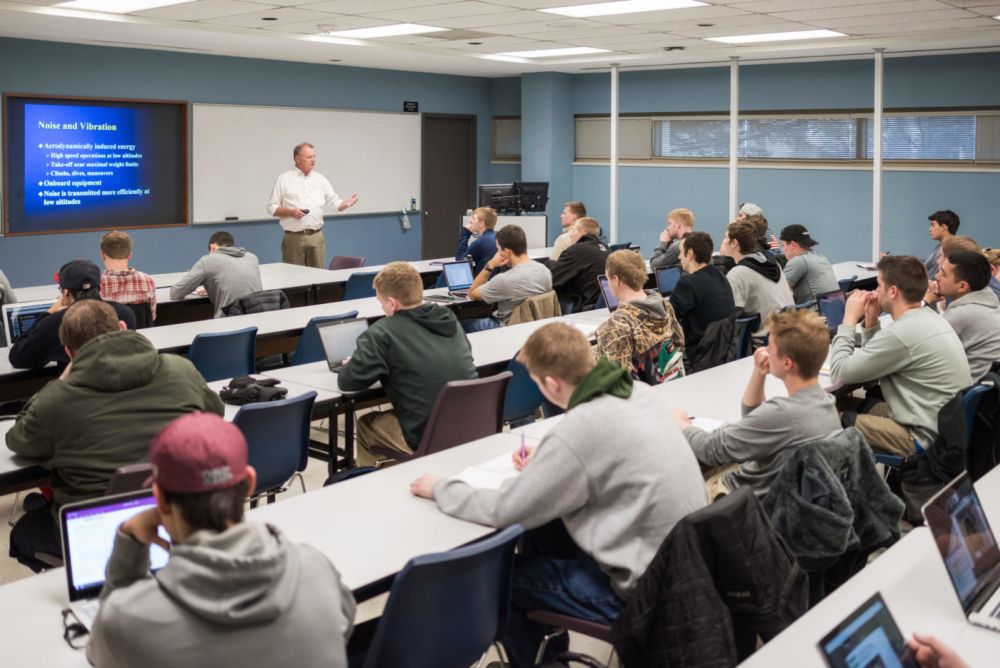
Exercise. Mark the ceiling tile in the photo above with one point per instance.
(283, 3)
(870, 9)
(487, 21)
(929, 27)
(697, 14)
(622, 32)
(766, 6)
(728, 22)
(336, 21)
(205, 9)
(283, 15)
(543, 4)
(428, 14)
(893, 19)
(363, 6)
(725, 31)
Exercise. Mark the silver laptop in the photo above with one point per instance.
(88, 534)
(969, 550)
(458, 277)
(340, 339)
(19, 318)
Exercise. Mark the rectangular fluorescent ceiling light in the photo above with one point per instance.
(119, 6)
(553, 53)
(394, 30)
(622, 7)
(777, 37)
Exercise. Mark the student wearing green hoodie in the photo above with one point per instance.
(617, 509)
(412, 352)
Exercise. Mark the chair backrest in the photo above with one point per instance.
(970, 404)
(831, 306)
(846, 283)
(225, 354)
(310, 348)
(277, 434)
(745, 327)
(446, 609)
(464, 411)
(129, 478)
(666, 279)
(346, 262)
(536, 307)
(143, 314)
(523, 396)
(359, 285)
(982, 415)
(799, 307)
(622, 246)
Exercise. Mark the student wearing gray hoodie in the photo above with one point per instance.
(232, 593)
(616, 479)
(227, 273)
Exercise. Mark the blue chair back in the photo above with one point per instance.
(745, 328)
(831, 307)
(970, 404)
(277, 434)
(310, 348)
(359, 285)
(446, 609)
(224, 355)
(846, 283)
(666, 279)
(523, 396)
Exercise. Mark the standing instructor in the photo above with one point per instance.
(298, 199)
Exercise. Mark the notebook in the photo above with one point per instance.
(609, 297)
(19, 318)
(969, 550)
(88, 534)
(458, 277)
(340, 340)
(868, 638)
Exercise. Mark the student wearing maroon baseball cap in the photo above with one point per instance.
(233, 593)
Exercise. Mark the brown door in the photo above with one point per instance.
(448, 180)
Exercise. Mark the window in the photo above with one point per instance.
(924, 137)
(506, 138)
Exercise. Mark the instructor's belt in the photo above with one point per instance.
(306, 232)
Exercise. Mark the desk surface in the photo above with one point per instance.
(854, 268)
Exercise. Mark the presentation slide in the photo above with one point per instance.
(75, 165)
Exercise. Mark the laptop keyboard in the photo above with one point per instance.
(86, 611)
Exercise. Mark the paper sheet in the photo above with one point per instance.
(490, 474)
(706, 424)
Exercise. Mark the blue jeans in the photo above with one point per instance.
(481, 324)
(575, 587)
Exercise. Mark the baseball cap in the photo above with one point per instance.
(198, 452)
(79, 275)
(750, 209)
(799, 235)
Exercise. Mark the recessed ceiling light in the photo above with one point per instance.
(777, 37)
(119, 6)
(673, 48)
(622, 7)
(269, 18)
(395, 30)
(706, 25)
(474, 43)
(552, 53)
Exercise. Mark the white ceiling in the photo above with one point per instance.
(238, 28)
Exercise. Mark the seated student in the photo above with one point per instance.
(413, 352)
(115, 395)
(227, 273)
(758, 284)
(7, 295)
(752, 451)
(616, 477)
(808, 273)
(233, 592)
(643, 322)
(929, 652)
(574, 275)
(702, 294)
(764, 235)
(572, 212)
(973, 310)
(121, 283)
(483, 220)
(523, 278)
(919, 361)
(668, 252)
(944, 225)
(993, 255)
(748, 209)
(79, 280)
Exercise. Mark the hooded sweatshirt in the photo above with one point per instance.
(975, 317)
(227, 274)
(759, 287)
(119, 394)
(574, 274)
(413, 354)
(637, 326)
(242, 597)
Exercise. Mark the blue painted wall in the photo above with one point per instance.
(28, 66)
(547, 138)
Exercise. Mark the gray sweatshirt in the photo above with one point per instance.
(7, 295)
(619, 478)
(755, 293)
(975, 317)
(227, 274)
(810, 275)
(243, 597)
(919, 363)
(666, 255)
(766, 436)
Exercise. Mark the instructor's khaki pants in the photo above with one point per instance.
(305, 249)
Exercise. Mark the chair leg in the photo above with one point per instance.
(501, 652)
(302, 481)
(545, 644)
(12, 520)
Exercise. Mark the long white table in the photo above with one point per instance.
(856, 268)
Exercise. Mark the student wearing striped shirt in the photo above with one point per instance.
(119, 282)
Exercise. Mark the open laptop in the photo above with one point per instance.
(340, 339)
(969, 550)
(609, 297)
(868, 638)
(88, 534)
(666, 279)
(458, 277)
(19, 318)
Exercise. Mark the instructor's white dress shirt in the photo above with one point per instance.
(296, 190)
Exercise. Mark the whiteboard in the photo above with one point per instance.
(239, 151)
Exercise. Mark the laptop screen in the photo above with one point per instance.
(458, 275)
(609, 297)
(340, 338)
(89, 530)
(964, 538)
(666, 279)
(868, 638)
(19, 318)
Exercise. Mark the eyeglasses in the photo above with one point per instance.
(73, 631)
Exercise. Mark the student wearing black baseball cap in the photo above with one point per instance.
(809, 274)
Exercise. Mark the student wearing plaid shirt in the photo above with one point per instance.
(121, 283)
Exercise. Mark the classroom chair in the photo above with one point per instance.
(143, 314)
(443, 610)
(464, 411)
(523, 396)
(346, 262)
(359, 285)
(277, 434)
(622, 246)
(310, 347)
(804, 306)
(225, 354)
(831, 306)
(745, 327)
(846, 283)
